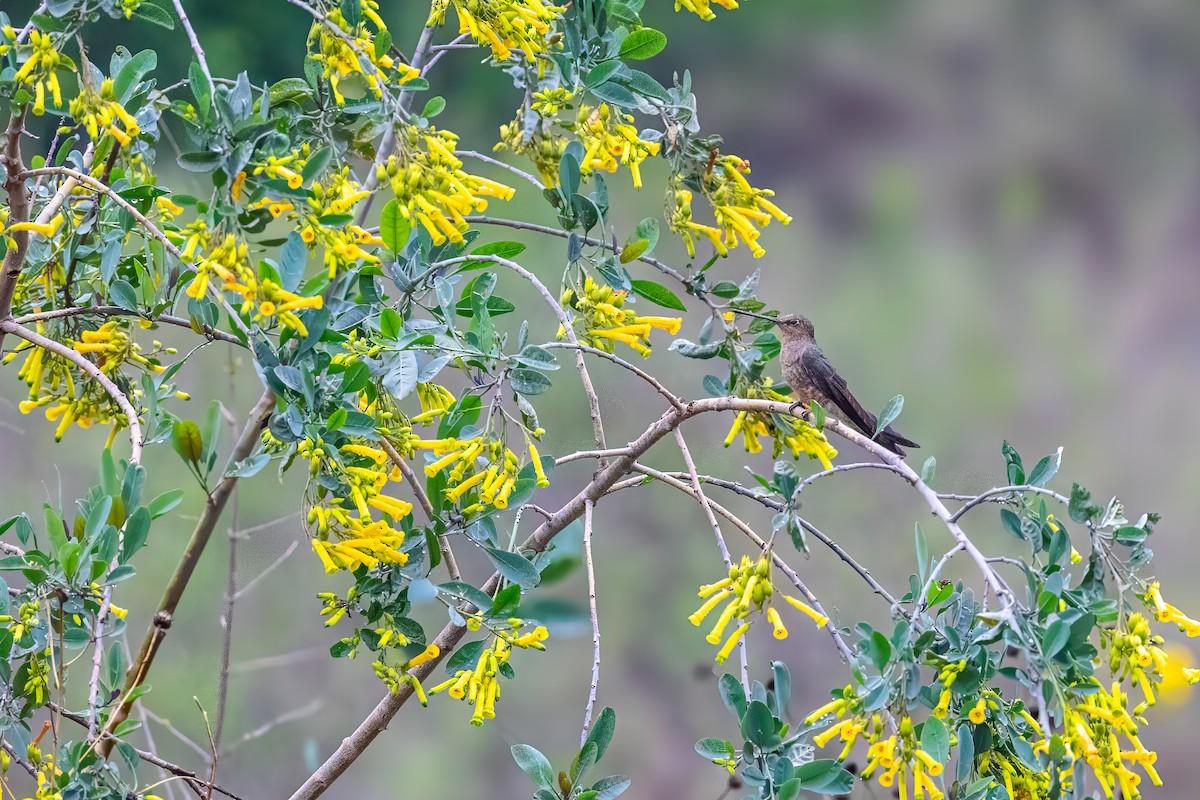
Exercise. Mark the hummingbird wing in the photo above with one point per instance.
(826, 380)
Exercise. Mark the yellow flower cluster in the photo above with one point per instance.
(431, 186)
(898, 758)
(343, 61)
(746, 591)
(69, 397)
(703, 8)
(600, 320)
(435, 399)
(548, 102)
(229, 261)
(544, 149)
(504, 25)
(792, 433)
(347, 538)
(740, 209)
(99, 111)
(481, 686)
(491, 484)
(39, 73)
(343, 246)
(1135, 652)
(394, 677)
(609, 139)
(1165, 612)
(1092, 731)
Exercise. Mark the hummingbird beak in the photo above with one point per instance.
(756, 316)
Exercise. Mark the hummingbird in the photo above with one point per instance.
(811, 377)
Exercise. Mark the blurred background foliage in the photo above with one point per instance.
(997, 214)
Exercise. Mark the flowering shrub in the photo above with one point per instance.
(336, 245)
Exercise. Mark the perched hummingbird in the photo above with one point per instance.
(812, 377)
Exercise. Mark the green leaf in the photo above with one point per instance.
(693, 350)
(758, 725)
(602, 731)
(185, 437)
(889, 414)
(527, 381)
(643, 43)
(536, 357)
(133, 71)
(122, 294)
(824, 776)
(929, 471)
(714, 748)
(966, 753)
(165, 502)
(155, 16)
(433, 107)
(648, 229)
(1045, 469)
(602, 72)
(137, 530)
(535, 765)
(55, 529)
(508, 250)
(465, 591)
(292, 261)
(394, 228)
(658, 294)
(514, 566)
(733, 694)
(633, 250)
(316, 163)
(390, 323)
(1055, 638)
(935, 739)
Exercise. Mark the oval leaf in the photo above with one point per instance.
(643, 43)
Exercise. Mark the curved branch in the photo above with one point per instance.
(595, 618)
(999, 492)
(569, 332)
(196, 48)
(92, 371)
(117, 311)
(672, 398)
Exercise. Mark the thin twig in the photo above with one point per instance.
(568, 329)
(254, 582)
(117, 311)
(495, 162)
(165, 615)
(1000, 492)
(671, 397)
(579, 455)
(196, 48)
(595, 618)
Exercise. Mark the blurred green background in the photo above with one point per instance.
(997, 214)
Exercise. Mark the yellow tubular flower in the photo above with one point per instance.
(600, 320)
(99, 112)
(504, 25)
(350, 62)
(788, 433)
(39, 73)
(431, 187)
(609, 140)
(747, 591)
(739, 208)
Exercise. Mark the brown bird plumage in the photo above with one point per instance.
(812, 377)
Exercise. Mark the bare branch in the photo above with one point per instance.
(1001, 493)
(196, 48)
(498, 163)
(595, 618)
(672, 398)
(191, 557)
